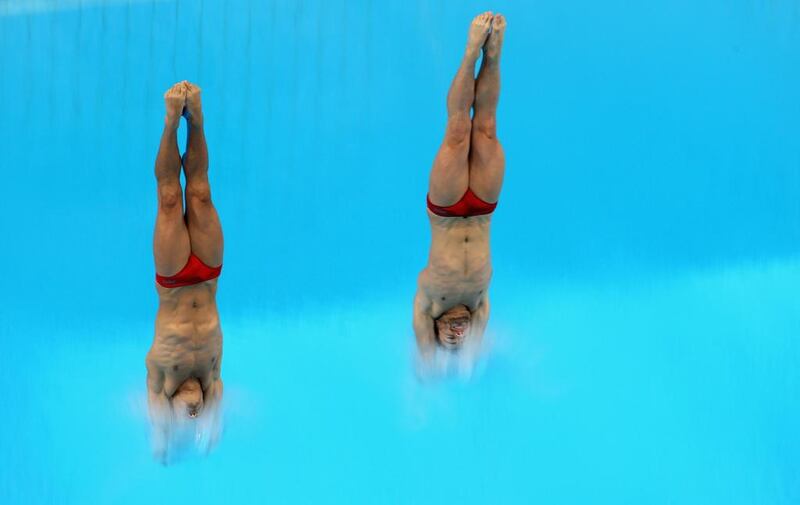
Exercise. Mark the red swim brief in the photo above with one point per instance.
(194, 272)
(469, 205)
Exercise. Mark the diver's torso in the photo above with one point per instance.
(188, 336)
(459, 265)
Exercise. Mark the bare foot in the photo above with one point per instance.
(495, 40)
(175, 100)
(478, 31)
(194, 110)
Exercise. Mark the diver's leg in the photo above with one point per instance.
(205, 231)
(171, 239)
(487, 160)
(450, 174)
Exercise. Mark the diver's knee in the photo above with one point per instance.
(198, 193)
(458, 131)
(169, 197)
(485, 128)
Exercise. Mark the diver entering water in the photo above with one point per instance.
(451, 306)
(183, 364)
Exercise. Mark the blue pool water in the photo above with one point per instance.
(645, 334)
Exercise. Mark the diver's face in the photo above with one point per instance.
(452, 327)
(188, 400)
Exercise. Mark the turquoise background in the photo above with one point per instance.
(645, 335)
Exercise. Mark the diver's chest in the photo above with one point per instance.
(452, 290)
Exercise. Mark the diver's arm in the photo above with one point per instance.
(211, 374)
(423, 326)
(213, 397)
(158, 406)
(480, 318)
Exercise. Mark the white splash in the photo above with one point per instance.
(175, 438)
(461, 363)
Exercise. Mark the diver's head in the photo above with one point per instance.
(188, 399)
(452, 326)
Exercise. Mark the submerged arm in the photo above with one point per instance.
(480, 318)
(159, 409)
(424, 326)
(210, 426)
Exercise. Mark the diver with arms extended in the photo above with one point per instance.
(451, 307)
(183, 364)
